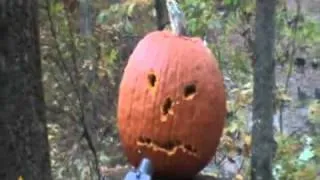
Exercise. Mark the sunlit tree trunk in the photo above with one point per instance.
(263, 144)
(24, 147)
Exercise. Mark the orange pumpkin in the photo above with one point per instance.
(172, 104)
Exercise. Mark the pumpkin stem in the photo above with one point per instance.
(177, 18)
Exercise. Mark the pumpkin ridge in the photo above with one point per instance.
(192, 106)
(164, 116)
(150, 96)
(128, 114)
(131, 104)
(157, 96)
(166, 85)
(176, 92)
(145, 98)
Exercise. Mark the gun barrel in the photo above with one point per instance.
(145, 166)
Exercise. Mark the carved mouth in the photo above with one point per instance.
(169, 148)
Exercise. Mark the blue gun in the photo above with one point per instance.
(144, 171)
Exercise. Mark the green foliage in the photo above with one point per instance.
(196, 10)
(314, 112)
(203, 19)
(126, 17)
(296, 158)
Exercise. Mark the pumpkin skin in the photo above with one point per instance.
(171, 105)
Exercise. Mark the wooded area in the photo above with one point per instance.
(61, 64)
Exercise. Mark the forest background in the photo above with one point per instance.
(85, 46)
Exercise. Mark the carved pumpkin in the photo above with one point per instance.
(171, 106)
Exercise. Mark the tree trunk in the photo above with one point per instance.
(24, 147)
(263, 142)
(161, 14)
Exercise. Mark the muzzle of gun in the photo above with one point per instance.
(144, 171)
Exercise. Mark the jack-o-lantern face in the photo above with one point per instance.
(171, 105)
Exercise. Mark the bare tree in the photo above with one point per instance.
(263, 143)
(24, 147)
